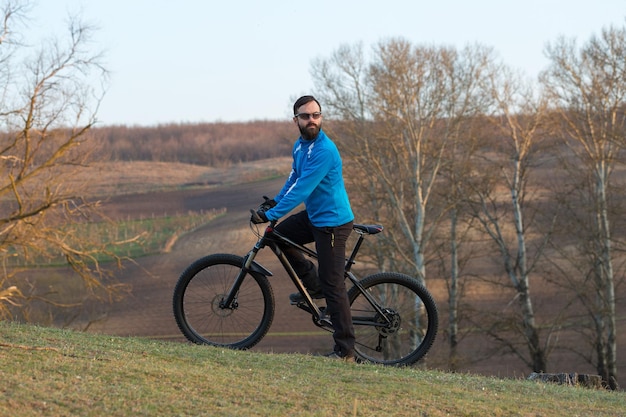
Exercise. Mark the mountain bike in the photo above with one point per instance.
(227, 300)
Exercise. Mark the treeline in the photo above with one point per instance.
(211, 144)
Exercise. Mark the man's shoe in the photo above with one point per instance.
(296, 297)
(337, 355)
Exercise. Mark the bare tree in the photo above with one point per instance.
(50, 97)
(587, 87)
(456, 240)
(499, 201)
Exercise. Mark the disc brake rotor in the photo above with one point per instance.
(390, 322)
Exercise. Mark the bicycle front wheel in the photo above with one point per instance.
(199, 310)
(397, 325)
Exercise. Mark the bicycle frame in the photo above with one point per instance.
(270, 239)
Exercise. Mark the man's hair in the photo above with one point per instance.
(302, 101)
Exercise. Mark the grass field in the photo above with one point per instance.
(63, 373)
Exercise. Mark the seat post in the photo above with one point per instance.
(357, 246)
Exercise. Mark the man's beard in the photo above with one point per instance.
(310, 131)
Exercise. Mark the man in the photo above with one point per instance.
(316, 179)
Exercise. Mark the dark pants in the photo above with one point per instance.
(330, 244)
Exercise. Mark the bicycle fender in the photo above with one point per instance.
(257, 267)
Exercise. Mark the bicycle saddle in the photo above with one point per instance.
(370, 229)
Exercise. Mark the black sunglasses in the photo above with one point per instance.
(307, 116)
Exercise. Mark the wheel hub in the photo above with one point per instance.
(218, 307)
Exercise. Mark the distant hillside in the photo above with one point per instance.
(209, 144)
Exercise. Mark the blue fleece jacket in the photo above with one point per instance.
(315, 179)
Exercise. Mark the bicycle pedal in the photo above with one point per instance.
(303, 306)
(325, 321)
(320, 303)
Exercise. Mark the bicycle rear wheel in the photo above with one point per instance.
(407, 327)
(197, 303)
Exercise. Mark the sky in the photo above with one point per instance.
(194, 61)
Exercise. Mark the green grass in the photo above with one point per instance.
(65, 373)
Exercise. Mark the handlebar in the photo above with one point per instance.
(370, 229)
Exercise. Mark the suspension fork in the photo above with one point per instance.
(249, 265)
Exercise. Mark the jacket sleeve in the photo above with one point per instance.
(288, 184)
(300, 188)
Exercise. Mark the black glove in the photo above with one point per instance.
(267, 204)
(258, 216)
